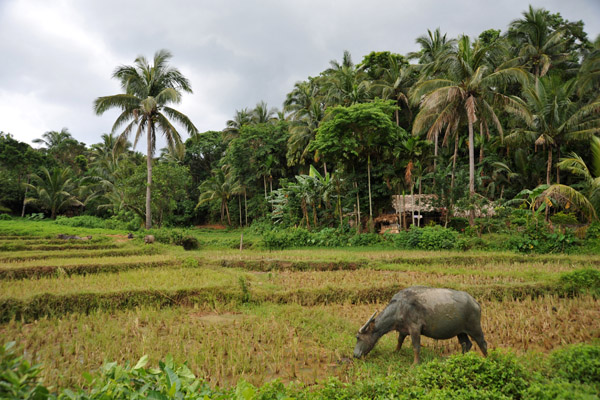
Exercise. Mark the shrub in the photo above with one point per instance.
(18, 378)
(593, 231)
(458, 223)
(190, 243)
(577, 363)
(274, 240)
(499, 374)
(581, 281)
(561, 218)
(330, 237)
(365, 239)
(437, 238)
(5, 217)
(559, 390)
(413, 237)
(538, 239)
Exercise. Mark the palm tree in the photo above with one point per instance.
(587, 199)
(306, 112)
(550, 116)
(148, 89)
(344, 83)
(61, 145)
(434, 46)
(539, 46)
(396, 82)
(463, 95)
(105, 156)
(221, 186)
(588, 79)
(54, 190)
(54, 139)
(262, 113)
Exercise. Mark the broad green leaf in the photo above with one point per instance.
(142, 362)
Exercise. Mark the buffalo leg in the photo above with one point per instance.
(401, 338)
(464, 341)
(416, 342)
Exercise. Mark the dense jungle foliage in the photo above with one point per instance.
(507, 118)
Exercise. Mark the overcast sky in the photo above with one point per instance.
(57, 56)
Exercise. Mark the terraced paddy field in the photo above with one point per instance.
(257, 315)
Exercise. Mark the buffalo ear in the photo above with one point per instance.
(370, 327)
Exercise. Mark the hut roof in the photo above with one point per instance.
(417, 202)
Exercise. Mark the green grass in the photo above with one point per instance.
(260, 315)
(164, 279)
(83, 266)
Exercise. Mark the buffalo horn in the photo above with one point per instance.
(368, 322)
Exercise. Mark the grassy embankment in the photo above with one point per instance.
(260, 315)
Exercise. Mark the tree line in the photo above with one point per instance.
(504, 118)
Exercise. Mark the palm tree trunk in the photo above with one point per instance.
(369, 182)
(25, 198)
(265, 185)
(149, 181)
(549, 167)
(471, 173)
(227, 211)
(435, 155)
(340, 211)
(557, 168)
(357, 208)
(454, 161)
(403, 211)
(245, 207)
(419, 201)
(412, 197)
(240, 208)
(482, 141)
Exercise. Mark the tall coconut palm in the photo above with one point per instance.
(539, 46)
(262, 113)
(464, 95)
(550, 116)
(54, 139)
(306, 110)
(54, 190)
(344, 83)
(395, 83)
(434, 46)
(105, 156)
(242, 117)
(588, 79)
(149, 88)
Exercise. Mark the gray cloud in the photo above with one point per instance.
(58, 56)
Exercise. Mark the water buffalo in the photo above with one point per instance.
(418, 310)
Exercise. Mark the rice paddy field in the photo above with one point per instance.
(257, 315)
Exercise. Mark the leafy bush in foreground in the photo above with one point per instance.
(577, 363)
(18, 378)
(460, 377)
(499, 374)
